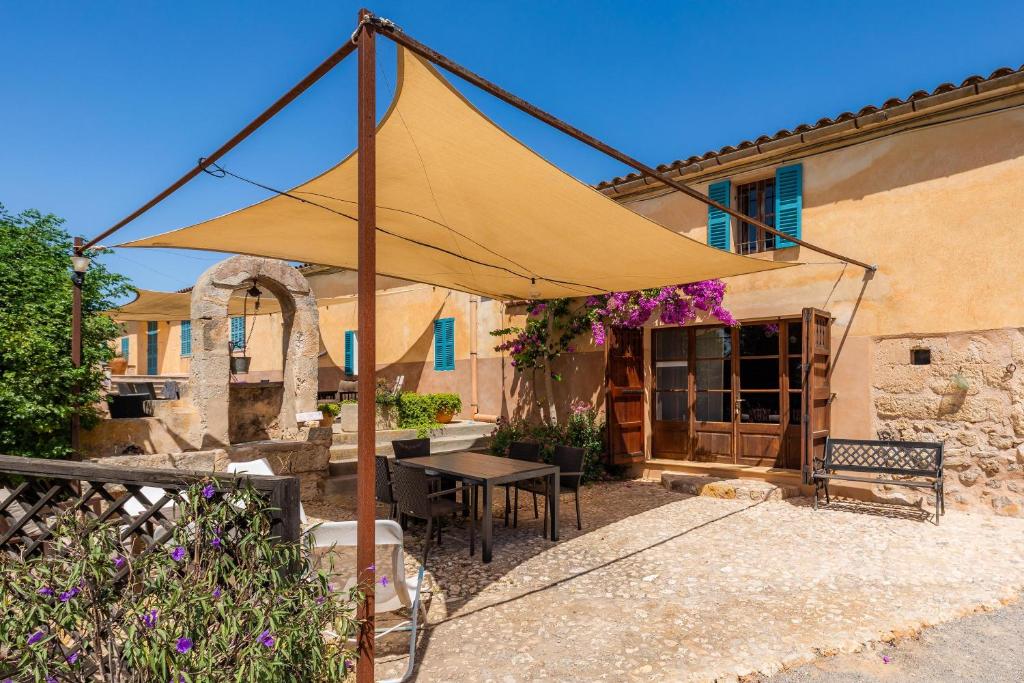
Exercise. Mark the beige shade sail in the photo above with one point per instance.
(153, 305)
(464, 205)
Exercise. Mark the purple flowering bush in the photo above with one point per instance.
(532, 349)
(219, 601)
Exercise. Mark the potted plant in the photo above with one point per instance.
(446, 406)
(118, 365)
(330, 411)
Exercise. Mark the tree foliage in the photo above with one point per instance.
(36, 375)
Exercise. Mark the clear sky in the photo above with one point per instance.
(105, 103)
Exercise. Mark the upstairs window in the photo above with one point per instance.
(756, 200)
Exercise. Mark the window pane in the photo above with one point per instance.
(759, 408)
(714, 374)
(759, 340)
(714, 407)
(715, 342)
(796, 333)
(796, 375)
(670, 344)
(795, 407)
(762, 373)
(670, 405)
(670, 375)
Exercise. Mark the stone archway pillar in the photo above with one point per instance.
(210, 367)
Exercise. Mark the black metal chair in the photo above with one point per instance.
(411, 448)
(382, 485)
(529, 452)
(416, 497)
(570, 469)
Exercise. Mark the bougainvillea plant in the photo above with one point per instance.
(221, 601)
(553, 326)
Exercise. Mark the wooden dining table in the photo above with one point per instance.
(488, 471)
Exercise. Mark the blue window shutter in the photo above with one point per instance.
(151, 347)
(718, 220)
(238, 331)
(350, 352)
(124, 348)
(444, 344)
(789, 202)
(186, 338)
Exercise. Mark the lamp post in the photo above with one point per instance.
(79, 265)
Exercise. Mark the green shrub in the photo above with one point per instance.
(331, 409)
(446, 403)
(419, 411)
(583, 428)
(216, 603)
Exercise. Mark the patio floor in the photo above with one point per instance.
(664, 586)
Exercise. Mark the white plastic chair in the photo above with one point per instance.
(401, 590)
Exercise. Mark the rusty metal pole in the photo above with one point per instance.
(77, 280)
(366, 297)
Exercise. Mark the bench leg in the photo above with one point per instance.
(828, 501)
(817, 487)
(938, 504)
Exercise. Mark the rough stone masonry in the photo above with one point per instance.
(970, 396)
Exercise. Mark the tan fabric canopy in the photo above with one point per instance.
(153, 305)
(464, 205)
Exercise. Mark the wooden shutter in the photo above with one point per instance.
(817, 394)
(625, 395)
(789, 202)
(186, 338)
(350, 352)
(718, 220)
(151, 347)
(124, 348)
(444, 344)
(238, 332)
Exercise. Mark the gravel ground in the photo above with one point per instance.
(986, 647)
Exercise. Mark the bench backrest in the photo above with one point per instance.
(912, 458)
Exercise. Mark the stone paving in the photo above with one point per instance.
(663, 586)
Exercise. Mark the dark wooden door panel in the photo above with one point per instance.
(817, 393)
(625, 395)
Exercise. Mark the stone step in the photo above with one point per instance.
(342, 454)
(344, 485)
(458, 428)
(717, 487)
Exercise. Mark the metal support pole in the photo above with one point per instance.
(77, 280)
(366, 297)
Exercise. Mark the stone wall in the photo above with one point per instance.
(970, 397)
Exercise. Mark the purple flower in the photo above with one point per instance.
(119, 562)
(149, 618)
(36, 637)
(72, 658)
(886, 659)
(384, 581)
(184, 645)
(51, 679)
(46, 590)
(330, 587)
(208, 491)
(266, 640)
(178, 554)
(215, 542)
(69, 594)
(348, 664)
(321, 600)
(372, 568)
(216, 592)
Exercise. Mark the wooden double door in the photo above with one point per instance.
(753, 395)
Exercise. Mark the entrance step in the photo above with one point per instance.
(717, 487)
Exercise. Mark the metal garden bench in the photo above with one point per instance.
(916, 464)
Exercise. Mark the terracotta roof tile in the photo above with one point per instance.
(976, 81)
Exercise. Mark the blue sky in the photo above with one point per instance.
(104, 104)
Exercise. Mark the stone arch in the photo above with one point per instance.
(210, 366)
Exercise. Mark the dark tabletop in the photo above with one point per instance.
(481, 466)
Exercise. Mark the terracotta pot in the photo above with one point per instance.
(444, 417)
(118, 365)
(327, 420)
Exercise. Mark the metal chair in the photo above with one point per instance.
(570, 469)
(411, 448)
(382, 484)
(528, 452)
(400, 591)
(417, 497)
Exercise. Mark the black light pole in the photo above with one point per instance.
(79, 265)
